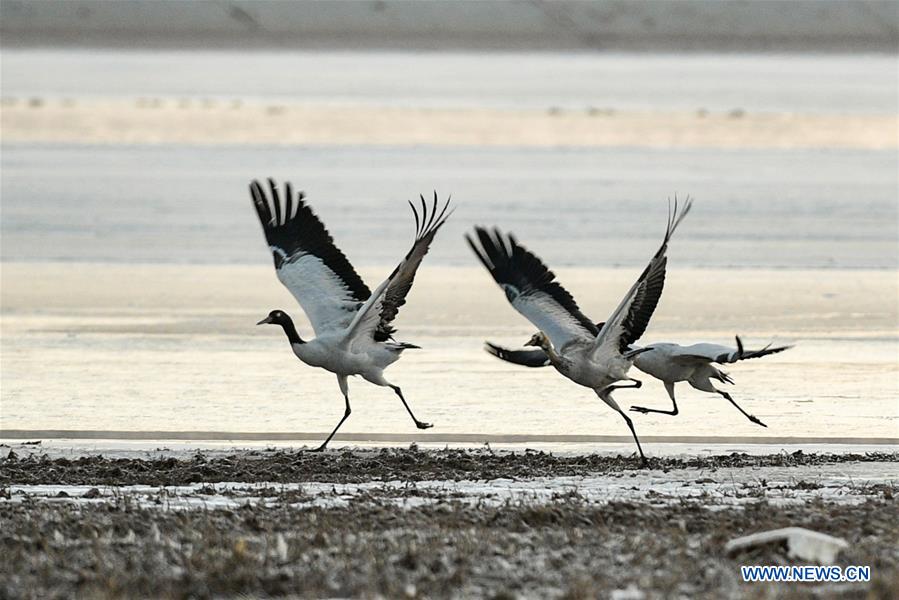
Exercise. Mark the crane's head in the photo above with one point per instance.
(538, 339)
(276, 317)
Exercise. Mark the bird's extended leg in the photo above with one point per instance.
(346, 413)
(419, 424)
(703, 384)
(606, 396)
(668, 386)
(752, 418)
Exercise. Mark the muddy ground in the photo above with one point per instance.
(406, 540)
(27, 464)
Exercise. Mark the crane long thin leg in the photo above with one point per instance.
(346, 414)
(673, 412)
(605, 396)
(630, 424)
(752, 418)
(419, 424)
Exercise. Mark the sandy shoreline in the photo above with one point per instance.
(222, 121)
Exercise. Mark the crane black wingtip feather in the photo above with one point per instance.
(276, 201)
(492, 349)
(415, 214)
(288, 201)
(260, 202)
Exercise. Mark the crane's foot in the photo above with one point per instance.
(321, 448)
(756, 420)
(640, 409)
(423, 425)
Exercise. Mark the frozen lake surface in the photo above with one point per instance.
(574, 207)
(133, 273)
(851, 83)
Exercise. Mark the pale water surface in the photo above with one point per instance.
(132, 275)
(186, 356)
(834, 83)
(583, 207)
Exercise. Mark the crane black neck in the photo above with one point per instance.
(287, 324)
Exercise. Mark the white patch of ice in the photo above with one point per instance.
(846, 483)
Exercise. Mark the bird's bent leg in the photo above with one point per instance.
(752, 418)
(419, 424)
(346, 413)
(668, 386)
(637, 384)
(605, 396)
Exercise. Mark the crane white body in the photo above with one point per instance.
(354, 334)
(695, 364)
(671, 362)
(594, 356)
(668, 362)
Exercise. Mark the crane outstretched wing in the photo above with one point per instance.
(715, 353)
(427, 223)
(631, 317)
(531, 287)
(377, 315)
(526, 357)
(307, 262)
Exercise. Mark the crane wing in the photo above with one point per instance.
(307, 262)
(715, 353)
(376, 316)
(531, 287)
(427, 223)
(631, 317)
(526, 357)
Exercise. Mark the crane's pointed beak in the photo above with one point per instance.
(265, 321)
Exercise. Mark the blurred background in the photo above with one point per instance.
(133, 268)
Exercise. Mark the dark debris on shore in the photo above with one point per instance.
(362, 465)
(566, 549)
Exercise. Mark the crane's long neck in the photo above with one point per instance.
(551, 352)
(291, 332)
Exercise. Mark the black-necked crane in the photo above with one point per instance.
(667, 362)
(353, 326)
(695, 364)
(592, 357)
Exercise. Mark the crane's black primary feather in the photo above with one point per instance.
(426, 226)
(513, 266)
(743, 354)
(651, 285)
(292, 234)
(533, 357)
(644, 304)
